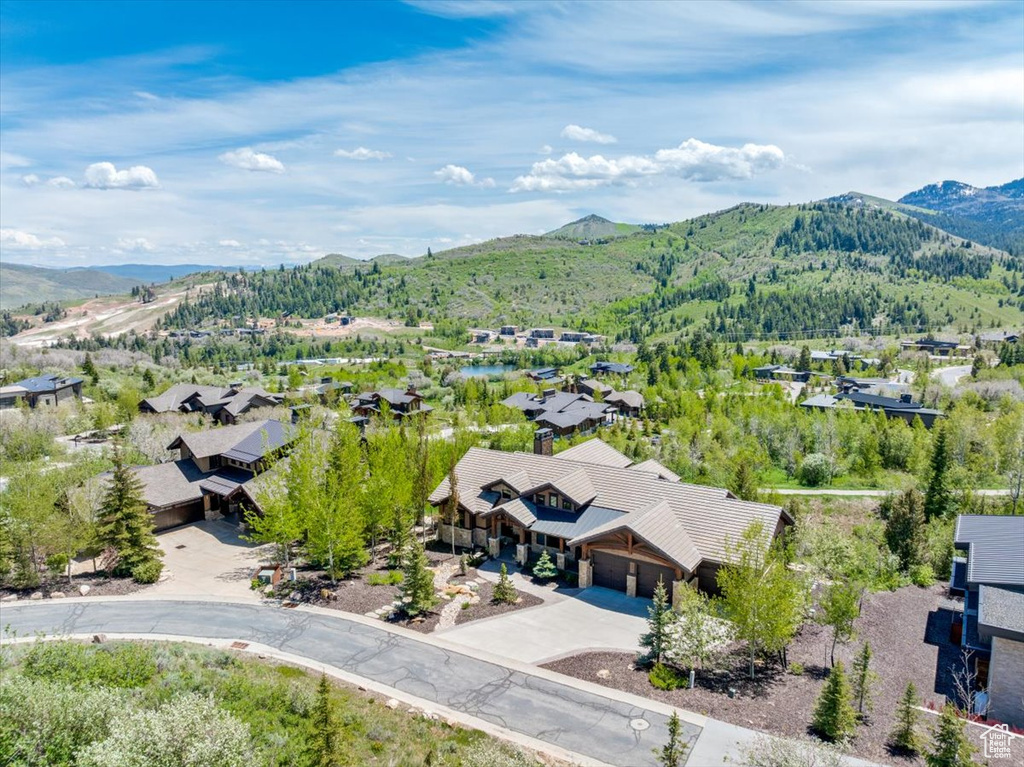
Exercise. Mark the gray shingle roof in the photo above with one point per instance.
(170, 484)
(708, 515)
(659, 526)
(243, 442)
(1001, 609)
(629, 398)
(996, 548)
(519, 509)
(46, 383)
(653, 467)
(568, 524)
(596, 451)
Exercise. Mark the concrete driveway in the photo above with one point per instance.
(570, 621)
(208, 559)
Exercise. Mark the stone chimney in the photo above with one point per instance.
(543, 440)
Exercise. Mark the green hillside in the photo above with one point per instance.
(753, 271)
(20, 285)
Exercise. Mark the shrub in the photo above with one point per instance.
(390, 578)
(148, 571)
(665, 678)
(922, 575)
(796, 669)
(816, 470)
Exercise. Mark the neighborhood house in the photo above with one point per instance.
(46, 391)
(401, 403)
(215, 472)
(621, 525)
(991, 578)
(224, 404)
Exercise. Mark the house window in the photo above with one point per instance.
(538, 499)
(554, 501)
(541, 539)
(506, 493)
(567, 505)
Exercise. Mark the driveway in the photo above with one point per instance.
(208, 559)
(951, 375)
(569, 622)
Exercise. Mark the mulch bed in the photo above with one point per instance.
(99, 586)
(487, 609)
(909, 635)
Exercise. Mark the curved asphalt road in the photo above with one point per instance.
(550, 711)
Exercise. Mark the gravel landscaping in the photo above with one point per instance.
(909, 635)
(97, 585)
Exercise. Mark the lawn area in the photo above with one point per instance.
(69, 703)
(908, 631)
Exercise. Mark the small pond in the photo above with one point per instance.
(484, 371)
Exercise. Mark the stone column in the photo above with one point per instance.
(560, 560)
(494, 547)
(522, 553)
(586, 576)
(480, 537)
(630, 585)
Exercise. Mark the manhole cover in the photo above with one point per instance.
(639, 724)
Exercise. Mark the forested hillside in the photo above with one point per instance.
(838, 266)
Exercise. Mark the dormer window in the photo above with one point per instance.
(539, 499)
(567, 504)
(553, 501)
(506, 493)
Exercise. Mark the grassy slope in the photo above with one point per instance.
(20, 284)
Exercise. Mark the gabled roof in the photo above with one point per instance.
(708, 515)
(659, 527)
(244, 442)
(520, 509)
(995, 544)
(629, 398)
(612, 367)
(575, 486)
(653, 467)
(595, 451)
(172, 398)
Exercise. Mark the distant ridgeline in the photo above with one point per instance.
(840, 265)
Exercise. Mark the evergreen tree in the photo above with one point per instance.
(744, 485)
(504, 592)
(905, 738)
(863, 679)
(545, 569)
(938, 500)
(125, 524)
(418, 586)
(659, 618)
(323, 747)
(978, 365)
(950, 746)
(834, 717)
(804, 362)
(905, 527)
(671, 754)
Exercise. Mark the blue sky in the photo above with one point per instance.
(263, 132)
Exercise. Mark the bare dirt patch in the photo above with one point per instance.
(909, 635)
(99, 585)
(485, 608)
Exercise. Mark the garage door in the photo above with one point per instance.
(609, 570)
(178, 515)
(647, 578)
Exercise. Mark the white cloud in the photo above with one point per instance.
(362, 153)
(456, 175)
(579, 133)
(145, 95)
(546, 149)
(30, 180)
(229, 243)
(18, 240)
(247, 158)
(103, 175)
(135, 244)
(61, 182)
(692, 160)
(11, 160)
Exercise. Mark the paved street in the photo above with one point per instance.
(533, 705)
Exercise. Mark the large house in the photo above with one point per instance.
(624, 526)
(215, 471)
(564, 413)
(224, 404)
(46, 391)
(991, 577)
(401, 403)
(903, 407)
